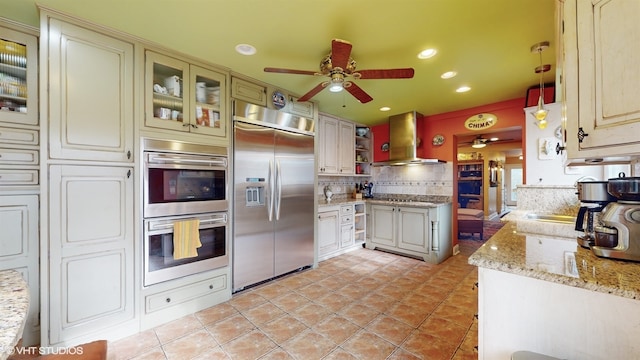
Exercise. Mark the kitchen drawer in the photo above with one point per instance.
(346, 210)
(346, 219)
(18, 177)
(182, 294)
(18, 136)
(18, 157)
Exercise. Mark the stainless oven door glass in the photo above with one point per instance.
(184, 184)
(160, 264)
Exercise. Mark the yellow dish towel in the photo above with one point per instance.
(186, 238)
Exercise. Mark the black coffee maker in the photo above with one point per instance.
(593, 197)
(368, 190)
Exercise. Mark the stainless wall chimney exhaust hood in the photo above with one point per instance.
(404, 141)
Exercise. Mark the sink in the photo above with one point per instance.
(562, 219)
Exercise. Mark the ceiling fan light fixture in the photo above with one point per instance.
(336, 87)
(478, 144)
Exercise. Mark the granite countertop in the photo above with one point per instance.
(557, 259)
(14, 305)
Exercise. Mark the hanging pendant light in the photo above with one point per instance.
(541, 113)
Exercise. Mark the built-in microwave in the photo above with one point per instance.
(183, 178)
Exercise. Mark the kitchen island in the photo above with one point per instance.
(14, 305)
(418, 228)
(544, 293)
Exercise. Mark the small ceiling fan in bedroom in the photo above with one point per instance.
(338, 66)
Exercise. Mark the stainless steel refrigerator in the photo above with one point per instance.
(273, 194)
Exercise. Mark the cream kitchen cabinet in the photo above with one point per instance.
(601, 77)
(517, 312)
(19, 251)
(19, 163)
(248, 91)
(414, 231)
(336, 146)
(90, 246)
(271, 97)
(328, 230)
(87, 82)
(18, 74)
(338, 226)
(184, 97)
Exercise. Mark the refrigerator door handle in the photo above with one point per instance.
(279, 188)
(270, 187)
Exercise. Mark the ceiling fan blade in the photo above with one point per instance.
(357, 92)
(313, 91)
(340, 52)
(289, 71)
(405, 73)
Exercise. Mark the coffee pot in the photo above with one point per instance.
(594, 197)
(368, 190)
(618, 235)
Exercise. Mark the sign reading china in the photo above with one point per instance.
(480, 121)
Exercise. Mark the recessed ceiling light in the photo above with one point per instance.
(494, 139)
(448, 74)
(427, 53)
(245, 49)
(385, 108)
(462, 89)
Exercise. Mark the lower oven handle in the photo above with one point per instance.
(204, 224)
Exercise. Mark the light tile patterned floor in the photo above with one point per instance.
(361, 305)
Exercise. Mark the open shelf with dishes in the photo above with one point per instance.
(364, 155)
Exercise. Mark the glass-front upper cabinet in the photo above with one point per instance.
(208, 107)
(184, 97)
(18, 77)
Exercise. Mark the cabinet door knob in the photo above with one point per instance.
(168, 300)
(581, 135)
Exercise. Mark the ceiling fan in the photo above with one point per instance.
(480, 142)
(339, 66)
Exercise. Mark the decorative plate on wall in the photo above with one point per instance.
(558, 132)
(438, 140)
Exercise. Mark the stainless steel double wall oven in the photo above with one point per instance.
(183, 181)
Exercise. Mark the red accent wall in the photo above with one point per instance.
(509, 114)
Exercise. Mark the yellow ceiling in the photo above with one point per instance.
(486, 41)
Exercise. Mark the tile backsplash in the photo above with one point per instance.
(414, 180)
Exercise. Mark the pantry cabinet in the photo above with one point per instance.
(184, 97)
(601, 77)
(89, 274)
(89, 102)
